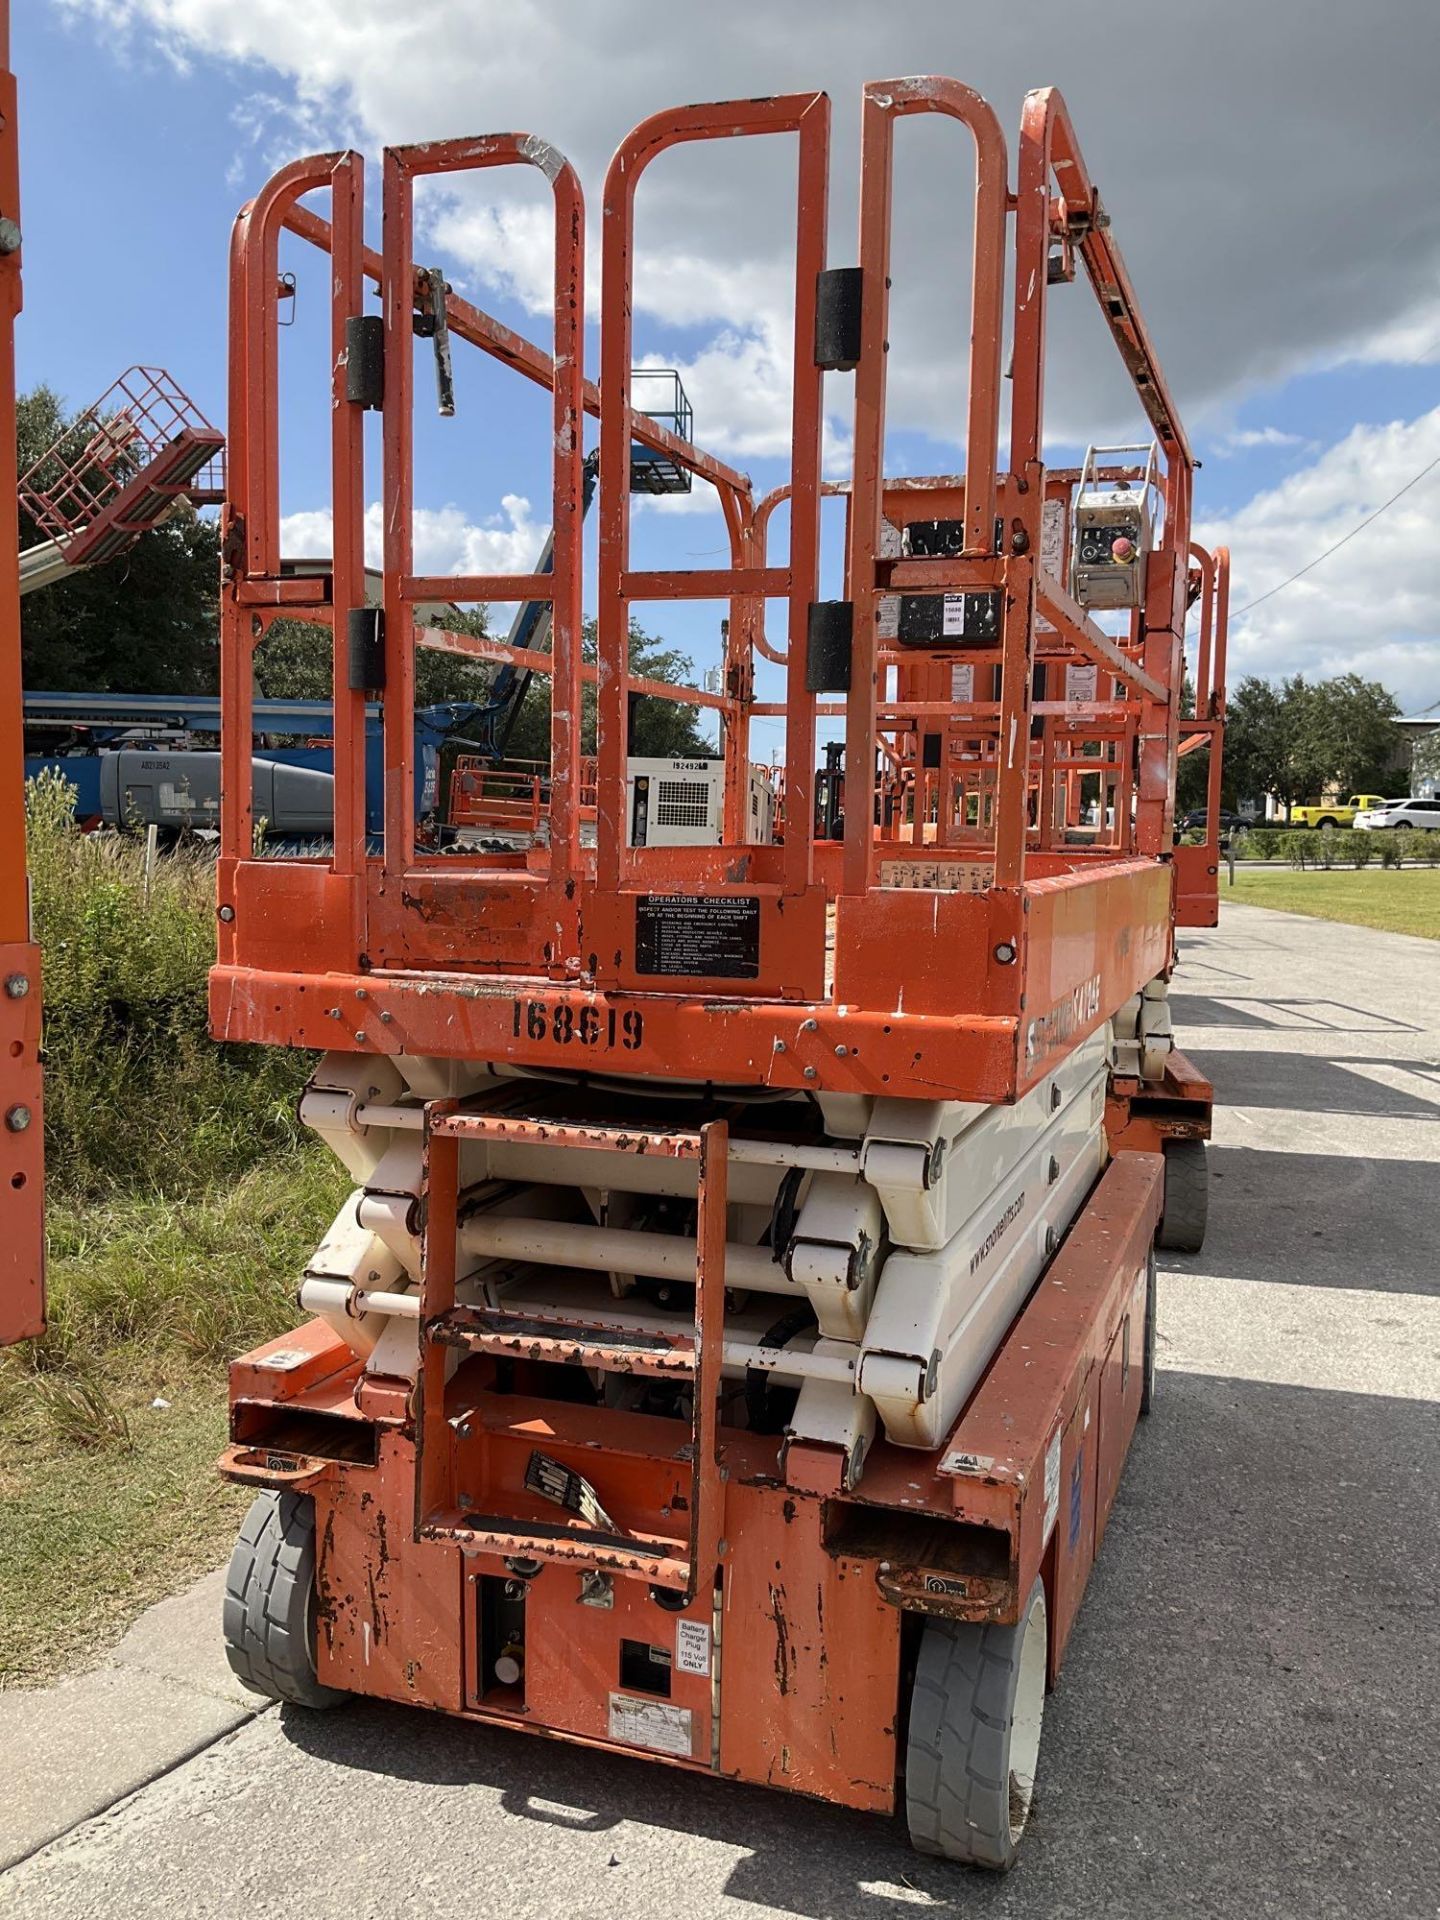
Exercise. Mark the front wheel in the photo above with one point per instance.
(974, 1741)
(268, 1618)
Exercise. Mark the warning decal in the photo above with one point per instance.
(1052, 1484)
(650, 1724)
(716, 938)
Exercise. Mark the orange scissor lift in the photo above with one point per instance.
(732, 1345)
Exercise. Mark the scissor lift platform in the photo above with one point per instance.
(741, 1318)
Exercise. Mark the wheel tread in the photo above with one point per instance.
(265, 1611)
(1187, 1197)
(957, 1781)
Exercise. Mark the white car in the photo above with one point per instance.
(1400, 813)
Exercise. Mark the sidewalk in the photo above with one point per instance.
(75, 1749)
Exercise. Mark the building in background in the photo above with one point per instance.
(1417, 763)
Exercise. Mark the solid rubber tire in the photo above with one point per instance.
(963, 1711)
(1187, 1197)
(268, 1617)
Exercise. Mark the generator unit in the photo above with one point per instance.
(1112, 532)
(681, 803)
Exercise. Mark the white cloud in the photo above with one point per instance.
(740, 388)
(510, 249)
(445, 540)
(1243, 439)
(1243, 283)
(1408, 339)
(1373, 607)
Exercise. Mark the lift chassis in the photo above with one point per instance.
(732, 1345)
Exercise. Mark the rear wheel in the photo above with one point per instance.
(1327, 825)
(269, 1612)
(1187, 1197)
(975, 1717)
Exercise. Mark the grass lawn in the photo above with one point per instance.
(1398, 900)
(109, 1501)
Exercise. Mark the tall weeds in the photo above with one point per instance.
(182, 1195)
(138, 1098)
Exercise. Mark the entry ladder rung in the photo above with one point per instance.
(522, 1336)
(663, 1563)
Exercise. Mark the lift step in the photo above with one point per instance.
(663, 1563)
(526, 1336)
(447, 1510)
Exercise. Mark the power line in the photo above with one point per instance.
(1414, 481)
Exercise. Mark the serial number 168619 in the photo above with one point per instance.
(585, 1026)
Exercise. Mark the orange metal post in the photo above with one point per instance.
(883, 102)
(397, 294)
(22, 1166)
(347, 483)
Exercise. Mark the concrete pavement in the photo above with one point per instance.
(1245, 1724)
(75, 1749)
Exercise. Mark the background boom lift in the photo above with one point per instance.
(116, 472)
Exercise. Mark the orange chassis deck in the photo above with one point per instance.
(760, 1686)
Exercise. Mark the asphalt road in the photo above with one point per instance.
(1246, 1721)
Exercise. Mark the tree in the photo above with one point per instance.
(146, 622)
(293, 662)
(663, 728)
(1425, 764)
(1256, 741)
(1297, 739)
(1353, 722)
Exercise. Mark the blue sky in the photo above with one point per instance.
(1274, 235)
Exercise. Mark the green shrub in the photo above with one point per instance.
(1420, 845)
(138, 1098)
(1391, 849)
(1361, 849)
(1263, 843)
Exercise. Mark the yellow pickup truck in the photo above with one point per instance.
(1341, 814)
